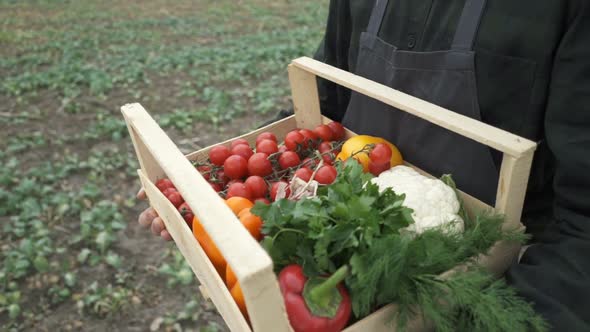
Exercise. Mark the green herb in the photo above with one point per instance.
(323, 232)
(351, 223)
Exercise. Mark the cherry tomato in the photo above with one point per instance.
(289, 159)
(310, 137)
(293, 140)
(378, 168)
(380, 154)
(325, 149)
(242, 150)
(283, 148)
(238, 142)
(164, 184)
(304, 174)
(324, 132)
(338, 131)
(266, 135)
(274, 189)
(221, 177)
(240, 190)
(326, 174)
(263, 200)
(187, 214)
(235, 167)
(216, 186)
(267, 146)
(169, 191)
(219, 154)
(205, 171)
(309, 163)
(259, 164)
(175, 198)
(257, 186)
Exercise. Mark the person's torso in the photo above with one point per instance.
(514, 47)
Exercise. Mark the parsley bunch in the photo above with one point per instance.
(351, 223)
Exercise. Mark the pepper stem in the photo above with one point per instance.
(319, 291)
(322, 296)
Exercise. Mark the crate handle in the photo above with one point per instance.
(517, 151)
(159, 157)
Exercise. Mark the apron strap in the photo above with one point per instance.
(468, 25)
(377, 17)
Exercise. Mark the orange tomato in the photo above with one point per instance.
(230, 277)
(237, 204)
(209, 247)
(252, 222)
(355, 144)
(236, 293)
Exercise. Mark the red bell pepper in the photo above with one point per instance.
(315, 304)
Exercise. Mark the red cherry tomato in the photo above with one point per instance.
(289, 159)
(378, 168)
(169, 191)
(235, 167)
(325, 149)
(338, 131)
(267, 146)
(310, 137)
(238, 190)
(176, 199)
(242, 150)
(324, 132)
(259, 164)
(263, 200)
(205, 171)
(216, 186)
(219, 154)
(326, 174)
(380, 154)
(293, 140)
(238, 142)
(187, 214)
(309, 163)
(283, 148)
(304, 174)
(266, 135)
(164, 184)
(222, 178)
(257, 186)
(274, 188)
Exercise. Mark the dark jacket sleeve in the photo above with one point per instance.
(554, 274)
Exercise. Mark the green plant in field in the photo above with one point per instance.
(104, 301)
(177, 271)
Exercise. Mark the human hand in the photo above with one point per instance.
(149, 218)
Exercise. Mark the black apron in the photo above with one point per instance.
(444, 78)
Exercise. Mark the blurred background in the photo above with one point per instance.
(72, 254)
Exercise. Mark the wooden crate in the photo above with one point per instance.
(159, 157)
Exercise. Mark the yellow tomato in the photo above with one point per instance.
(355, 146)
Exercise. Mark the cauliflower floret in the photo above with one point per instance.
(434, 203)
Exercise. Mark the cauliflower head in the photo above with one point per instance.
(434, 203)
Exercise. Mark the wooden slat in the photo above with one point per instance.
(251, 264)
(514, 175)
(483, 133)
(196, 257)
(306, 101)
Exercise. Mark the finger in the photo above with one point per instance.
(141, 194)
(147, 216)
(166, 235)
(157, 226)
